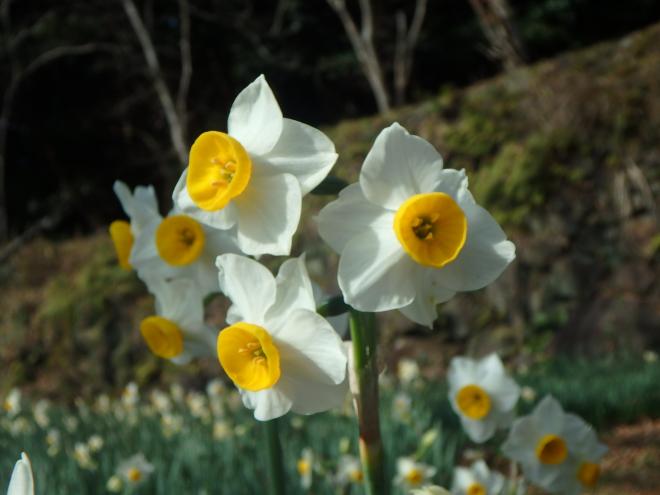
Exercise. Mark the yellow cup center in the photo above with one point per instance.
(163, 337)
(473, 401)
(249, 356)
(431, 228)
(134, 474)
(355, 475)
(414, 477)
(219, 170)
(303, 467)
(475, 489)
(180, 240)
(122, 238)
(588, 474)
(551, 449)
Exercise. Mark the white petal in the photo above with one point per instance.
(267, 404)
(463, 478)
(249, 285)
(462, 371)
(294, 291)
(255, 118)
(428, 294)
(219, 219)
(309, 348)
(349, 215)
(268, 215)
(452, 182)
(141, 207)
(479, 431)
(521, 442)
(310, 397)
(550, 415)
(21, 482)
(180, 301)
(304, 152)
(484, 256)
(374, 272)
(398, 166)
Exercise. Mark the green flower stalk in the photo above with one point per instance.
(276, 481)
(364, 376)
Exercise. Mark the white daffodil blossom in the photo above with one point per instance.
(141, 207)
(477, 480)
(22, 481)
(305, 468)
(277, 350)
(177, 331)
(12, 403)
(558, 451)
(482, 394)
(349, 471)
(412, 474)
(135, 470)
(430, 490)
(409, 233)
(178, 246)
(252, 179)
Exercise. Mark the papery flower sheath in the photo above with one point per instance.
(252, 178)
(177, 331)
(277, 350)
(482, 394)
(409, 233)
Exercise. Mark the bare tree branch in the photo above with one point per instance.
(164, 95)
(406, 41)
(362, 43)
(186, 64)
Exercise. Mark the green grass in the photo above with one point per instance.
(605, 393)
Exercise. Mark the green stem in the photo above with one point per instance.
(330, 185)
(274, 463)
(363, 335)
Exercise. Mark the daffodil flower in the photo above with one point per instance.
(177, 331)
(482, 394)
(135, 470)
(252, 178)
(277, 350)
(22, 481)
(141, 208)
(558, 451)
(477, 480)
(410, 234)
(412, 474)
(349, 471)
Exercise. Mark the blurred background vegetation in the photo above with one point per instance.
(553, 107)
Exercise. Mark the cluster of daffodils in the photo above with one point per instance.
(558, 451)
(409, 234)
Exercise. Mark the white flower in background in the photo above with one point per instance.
(429, 437)
(22, 481)
(40, 413)
(114, 484)
(130, 396)
(53, 441)
(71, 423)
(558, 451)
(277, 350)
(477, 480)
(83, 456)
(305, 468)
(222, 430)
(141, 208)
(95, 443)
(349, 471)
(135, 469)
(198, 405)
(650, 356)
(215, 388)
(528, 394)
(482, 394)
(402, 407)
(20, 426)
(171, 424)
(410, 234)
(12, 402)
(102, 405)
(177, 332)
(177, 392)
(412, 474)
(407, 370)
(161, 401)
(430, 490)
(252, 179)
